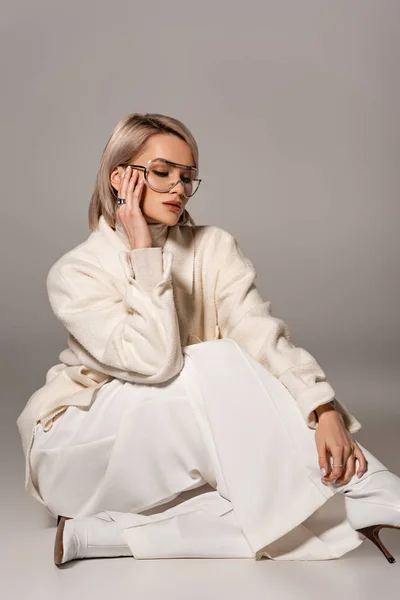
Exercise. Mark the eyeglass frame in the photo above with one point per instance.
(173, 184)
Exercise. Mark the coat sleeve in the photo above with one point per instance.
(129, 329)
(244, 316)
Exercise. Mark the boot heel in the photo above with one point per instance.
(372, 533)
(58, 544)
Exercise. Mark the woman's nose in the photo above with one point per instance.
(181, 191)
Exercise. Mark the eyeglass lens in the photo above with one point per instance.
(161, 175)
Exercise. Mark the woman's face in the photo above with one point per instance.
(169, 147)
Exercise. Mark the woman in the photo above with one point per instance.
(182, 420)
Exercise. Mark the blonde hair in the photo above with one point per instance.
(129, 139)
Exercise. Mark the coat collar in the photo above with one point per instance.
(180, 242)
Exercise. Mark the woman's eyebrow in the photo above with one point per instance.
(170, 162)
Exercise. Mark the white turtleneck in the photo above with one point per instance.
(159, 233)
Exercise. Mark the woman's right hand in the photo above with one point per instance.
(130, 214)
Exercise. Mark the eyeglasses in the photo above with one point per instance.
(159, 172)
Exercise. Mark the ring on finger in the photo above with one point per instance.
(340, 480)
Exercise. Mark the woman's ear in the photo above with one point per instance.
(115, 177)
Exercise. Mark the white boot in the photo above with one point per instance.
(373, 503)
(88, 537)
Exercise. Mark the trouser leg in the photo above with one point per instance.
(267, 454)
(138, 454)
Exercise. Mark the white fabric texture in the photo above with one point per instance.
(216, 462)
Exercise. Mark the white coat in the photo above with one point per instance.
(128, 314)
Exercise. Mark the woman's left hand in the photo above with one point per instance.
(332, 437)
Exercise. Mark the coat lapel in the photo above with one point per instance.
(110, 248)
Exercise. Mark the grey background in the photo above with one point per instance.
(295, 106)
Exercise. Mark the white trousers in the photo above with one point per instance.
(217, 462)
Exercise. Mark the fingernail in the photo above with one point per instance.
(360, 474)
(323, 471)
(128, 168)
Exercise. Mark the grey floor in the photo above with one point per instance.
(27, 569)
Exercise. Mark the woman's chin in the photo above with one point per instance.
(170, 219)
